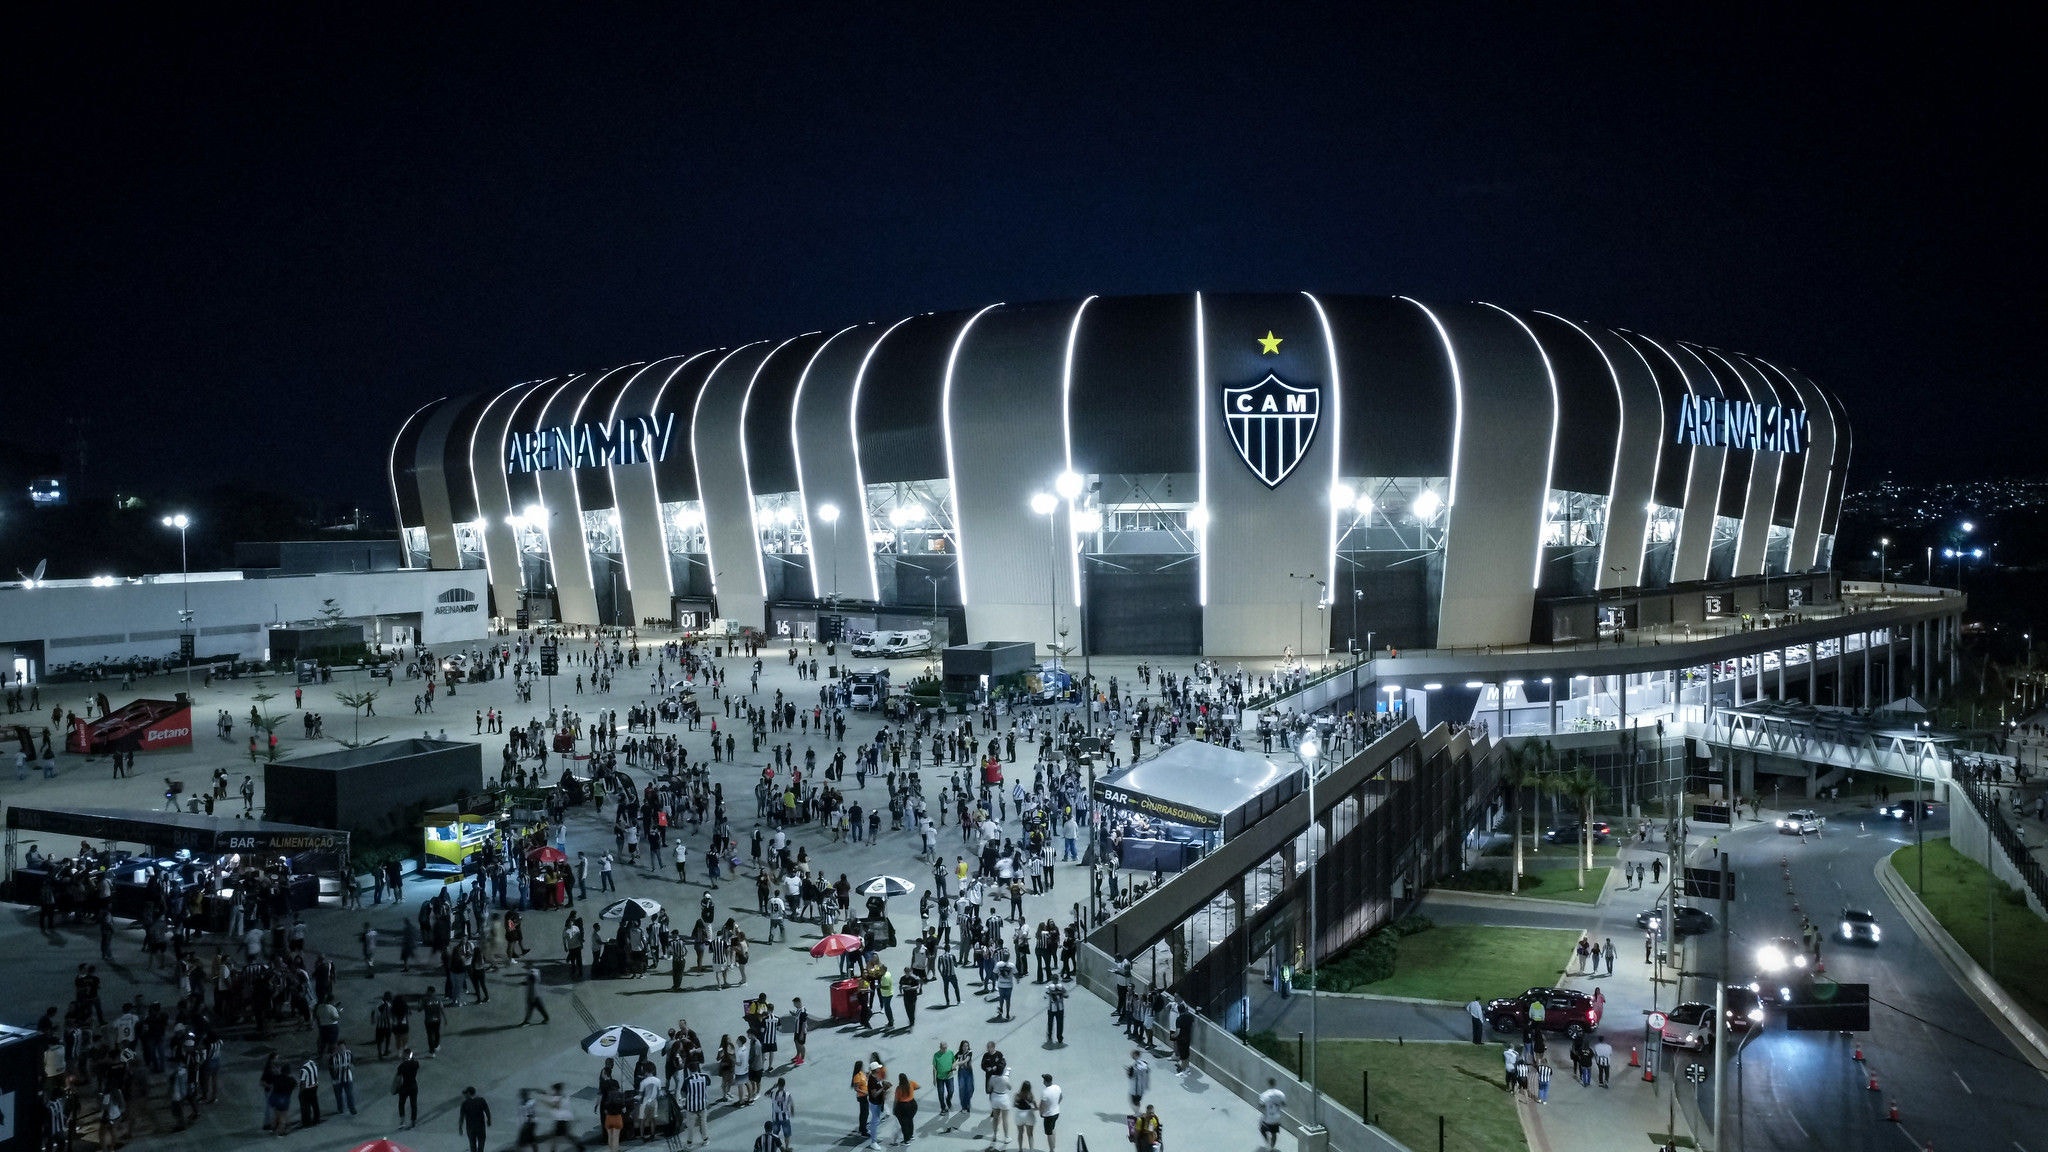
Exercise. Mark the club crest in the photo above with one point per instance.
(1272, 423)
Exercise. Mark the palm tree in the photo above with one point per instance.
(1524, 768)
(1581, 786)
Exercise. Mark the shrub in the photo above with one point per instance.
(1369, 961)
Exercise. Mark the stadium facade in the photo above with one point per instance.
(1219, 474)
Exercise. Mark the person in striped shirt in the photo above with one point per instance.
(781, 1110)
(696, 1097)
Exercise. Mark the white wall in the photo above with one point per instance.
(231, 615)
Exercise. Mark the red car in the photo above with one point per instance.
(1564, 1010)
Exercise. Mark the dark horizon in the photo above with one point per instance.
(244, 248)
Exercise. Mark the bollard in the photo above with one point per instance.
(1301, 1053)
(1365, 1091)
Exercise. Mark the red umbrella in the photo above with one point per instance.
(544, 856)
(381, 1145)
(836, 945)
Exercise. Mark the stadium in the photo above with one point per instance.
(1226, 475)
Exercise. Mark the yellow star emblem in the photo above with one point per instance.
(1269, 344)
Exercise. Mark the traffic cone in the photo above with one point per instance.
(1873, 1079)
(1858, 1057)
(1892, 1113)
(1635, 1057)
(1649, 1074)
(1820, 967)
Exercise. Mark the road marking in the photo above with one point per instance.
(1798, 1125)
(1960, 1080)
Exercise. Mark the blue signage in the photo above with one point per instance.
(627, 440)
(1712, 422)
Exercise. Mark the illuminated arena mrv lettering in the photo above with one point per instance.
(1712, 422)
(627, 440)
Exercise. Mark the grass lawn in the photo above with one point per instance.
(1412, 1084)
(1960, 894)
(1550, 883)
(1458, 961)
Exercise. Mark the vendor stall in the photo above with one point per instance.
(454, 833)
(121, 854)
(1163, 813)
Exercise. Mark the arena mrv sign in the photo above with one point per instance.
(626, 440)
(1712, 422)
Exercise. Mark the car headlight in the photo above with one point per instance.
(1848, 929)
(1799, 961)
(1875, 931)
(1770, 958)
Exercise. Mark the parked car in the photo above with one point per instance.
(1570, 834)
(1800, 822)
(1565, 1010)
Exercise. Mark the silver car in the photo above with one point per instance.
(1801, 822)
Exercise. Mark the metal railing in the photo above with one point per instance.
(2009, 841)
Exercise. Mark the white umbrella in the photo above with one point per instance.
(886, 886)
(623, 1040)
(630, 909)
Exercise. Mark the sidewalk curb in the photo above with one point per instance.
(2021, 1028)
(1427, 1003)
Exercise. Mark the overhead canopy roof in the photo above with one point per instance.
(174, 830)
(1203, 785)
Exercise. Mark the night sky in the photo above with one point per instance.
(247, 246)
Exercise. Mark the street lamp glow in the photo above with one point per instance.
(1968, 527)
(1308, 749)
(535, 514)
(1067, 484)
(1198, 517)
(1343, 496)
(1433, 686)
(1043, 503)
(829, 513)
(1087, 521)
(180, 522)
(1427, 505)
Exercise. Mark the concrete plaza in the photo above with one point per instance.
(486, 1046)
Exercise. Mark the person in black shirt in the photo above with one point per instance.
(475, 1118)
(406, 1084)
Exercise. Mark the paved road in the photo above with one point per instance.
(1958, 1082)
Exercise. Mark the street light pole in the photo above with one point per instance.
(182, 522)
(1310, 751)
(1044, 504)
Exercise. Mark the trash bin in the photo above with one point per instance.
(845, 999)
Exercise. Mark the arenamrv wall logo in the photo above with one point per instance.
(626, 440)
(456, 600)
(1272, 423)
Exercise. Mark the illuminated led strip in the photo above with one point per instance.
(1337, 437)
(576, 486)
(612, 421)
(654, 471)
(1620, 426)
(697, 467)
(1457, 398)
(476, 489)
(1756, 457)
(747, 467)
(547, 530)
(860, 484)
(1202, 453)
(1550, 460)
(946, 424)
(1804, 464)
(391, 470)
(797, 450)
(1722, 480)
(1692, 462)
(1656, 469)
(1067, 436)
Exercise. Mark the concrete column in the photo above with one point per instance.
(1864, 700)
(1621, 682)
(1783, 655)
(1500, 711)
(1891, 667)
(1955, 641)
(1738, 681)
(1841, 659)
(1553, 702)
(1813, 672)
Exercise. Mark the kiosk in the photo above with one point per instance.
(1165, 812)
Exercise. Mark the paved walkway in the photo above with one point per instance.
(485, 1044)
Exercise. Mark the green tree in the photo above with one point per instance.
(1523, 769)
(356, 701)
(1580, 785)
(262, 717)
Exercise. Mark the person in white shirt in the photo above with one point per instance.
(1049, 1110)
(1272, 1106)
